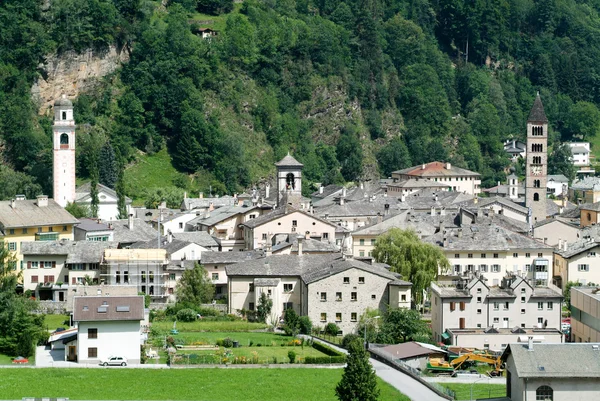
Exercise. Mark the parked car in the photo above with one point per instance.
(20, 359)
(114, 361)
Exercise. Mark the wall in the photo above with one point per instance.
(400, 296)
(588, 218)
(585, 319)
(30, 236)
(115, 338)
(59, 272)
(555, 231)
(584, 277)
(567, 389)
(366, 248)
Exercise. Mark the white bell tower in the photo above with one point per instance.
(63, 139)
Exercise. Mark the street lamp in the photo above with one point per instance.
(367, 320)
(478, 380)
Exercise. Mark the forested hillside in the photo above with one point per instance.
(354, 89)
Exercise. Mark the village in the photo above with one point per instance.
(513, 254)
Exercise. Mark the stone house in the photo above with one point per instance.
(93, 230)
(215, 264)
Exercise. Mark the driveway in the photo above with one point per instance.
(47, 358)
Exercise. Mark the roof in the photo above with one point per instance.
(103, 308)
(412, 183)
(537, 113)
(579, 149)
(327, 191)
(75, 251)
(568, 360)
(436, 169)
(590, 206)
(90, 225)
(557, 178)
(82, 193)
(171, 247)
(202, 203)
(27, 213)
(230, 257)
(277, 213)
(575, 248)
(201, 238)
(411, 350)
(288, 161)
(587, 183)
(483, 202)
(216, 216)
(403, 221)
(308, 245)
(141, 231)
(63, 102)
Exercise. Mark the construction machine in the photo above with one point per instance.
(494, 361)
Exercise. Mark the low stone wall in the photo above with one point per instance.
(52, 307)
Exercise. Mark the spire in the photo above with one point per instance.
(537, 111)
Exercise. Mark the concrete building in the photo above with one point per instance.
(585, 314)
(536, 164)
(108, 209)
(327, 288)
(63, 162)
(554, 231)
(577, 262)
(558, 372)
(106, 326)
(459, 179)
(471, 313)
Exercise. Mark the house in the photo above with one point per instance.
(326, 288)
(215, 264)
(106, 326)
(585, 314)
(42, 219)
(577, 261)
(410, 186)
(258, 232)
(201, 203)
(107, 201)
(132, 230)
(582, 157)
(459, 179)
(301, 245)
(201, 238)
(553, 231)
(174, 222)
(474, 314)
(206, 33)
(412, 353)
(585, 190)
(558, 372)
(177, 249)
(93, 230)
(557, 184)
(515, 149)
(50, 268)
(358, 213)
(499, 205)
(590, 214)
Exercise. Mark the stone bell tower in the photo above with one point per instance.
(63, 134)
(537, 162)
(289, 182)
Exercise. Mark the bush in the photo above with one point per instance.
(292, 356)
(326, 349)
(227, 342)
(305, 325)
(348, 338)
(311, 360)
(332, 329)
(186, 315)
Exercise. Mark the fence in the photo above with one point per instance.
(386, 357)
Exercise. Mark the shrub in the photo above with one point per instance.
(348, 338)
(227, 342)
(220, 342)
(259, 345)
(292, 356)
(326, 349)
(208, 312)
(325, 359)
(251, 343)
(332, 329)
(186, 315)
(305, 325)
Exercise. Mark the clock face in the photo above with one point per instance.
(536, 170)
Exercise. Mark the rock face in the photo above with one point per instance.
(73, 73)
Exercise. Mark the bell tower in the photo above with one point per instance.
(63, 139)
(537, 162)
(289, 182)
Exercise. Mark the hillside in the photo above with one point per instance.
(353, 89)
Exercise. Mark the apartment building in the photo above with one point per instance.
(585, 314)
(578, 262)
(458, 179)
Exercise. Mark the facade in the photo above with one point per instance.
(557, 185)
(581, 154)
(34, 220)
(174, 222)
(577, 262)
(108, 209)
(558, 372)
(215, 264)
(93, 230)
(585, 314)
(63, 133)
(471, 313)
(590, 214)
(107, 326)
(459, 179)
(327, 288)
(585, 190)
(554, 231)
(537, 162)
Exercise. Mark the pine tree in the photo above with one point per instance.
(108, 166)
(93, 168)
(359, 382)
(120, 188)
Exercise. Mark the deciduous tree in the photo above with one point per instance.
(195, 287)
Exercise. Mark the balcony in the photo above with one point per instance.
(51, 236)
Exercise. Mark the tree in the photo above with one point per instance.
(214, 7)
(401, 325)
(77, 210)
(263, 309)
(195, 287)
(291, 324)
(417, 261)
(583, 121)
(560, 161)
(359, 381)
(108, 168)
(393, 157)
(349, 153)
(94, 175)
(120, 189)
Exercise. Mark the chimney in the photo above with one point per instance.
(344, 191)
(211, 207)
(267, 190)
(362, 186)
(320, 189)
(448, 166)
(379, 218)
(498, 183)
(201, 195)
(342, 201)
(530, 343)
(130, 221)
(459, 234)
(423, 166)
(311, 209)
(443, 211)
(560, 243)
(42, 200)
(435, 197)
(110, 226)
(445, 243)
(432, 211)
(13, 203)
(386, 209)
(385, 194)
(163, 205)
(475, 200)
(169, 236)
(300, 239)
(565, 246)
(185, 195)
(403, 197)
(307, 235)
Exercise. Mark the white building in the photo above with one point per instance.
(557, 185)
(458, 179)
(63, 132)
(107, 201)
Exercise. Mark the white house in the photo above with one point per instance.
(107, 326)
(107, 206)
(581, 157)
(557, 185)
(458, 179)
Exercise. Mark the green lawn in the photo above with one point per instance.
(55, 321)
(216, 22)
(243, 338)
(200, 325)
(183, 384)
(7, 360)
(480, 390)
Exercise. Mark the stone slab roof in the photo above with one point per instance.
(82, 193)
(436, 169)
(230, 257)
(204, 203)
(91, 225)
(557, 178)
(171, 247)
(266, 282)
(411, 350)
(568, 360)
(103, 308)
(579, 149)
(506, 202)
(280, 212)
(288, 161)
(577, 247)
(140, 231)
(587, 183)
(404, 220)
(414, 184)
(221, 214)
(201, 238)
(27, 213)
(76, 251)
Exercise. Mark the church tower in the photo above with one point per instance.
(289, 182)
(537, 162)
(63, 133)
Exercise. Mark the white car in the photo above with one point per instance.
(114, 361)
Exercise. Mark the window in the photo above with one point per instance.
(544, 393)
(550, 305)
(479, 311)
(483, 256)
(523, 300)
(353, 317)
(528, 268)
(483, 268)
(250, 287)
(346, 280)
(478, 300)
(264, 236)
(536, 197)
(457, 269)
(11, 231)
(353, 296)
(583, 268)
(495, 268)
(338, 317)
(251, 306)
(215, 276)
(24, 231)
(515, 255)
(496, 320)
(527, 255)
(537, 183)
(323, 296)
(338, 296)
(462, 306)
(65, 228)
(325, 235)
(592, 254)
(373, 296)
(12, 246)
(361, 252)
(180, 225)
(457, 255)
(92, 333)
(34, 279)
(540, 255)
(452, 306)
(294, 223)
(34, 265)
(373, 240)
(479, 290)
(495, 256)
(92, 352)
(403, 298)
(537, 159)
(470, 256)
(361, 280)
(540, 305)
(288, 287)
(540, 320)
(361, 242)
(523, 290)
(522, 311)
(171, 276)
(506, 306)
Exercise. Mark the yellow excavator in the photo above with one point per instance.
(496, 362)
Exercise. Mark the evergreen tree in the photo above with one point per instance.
(107, 166)
(359, 382)
(94, 186)
(263, 309)
(393, 157)
(560, 161)
(120, 189)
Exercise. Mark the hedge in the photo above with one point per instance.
(325, 349)
(324, 359)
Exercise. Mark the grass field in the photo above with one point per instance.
(216, 22)
(242, 337)
(55, 321)
(7, 360)
(480, 390)
(184, 384)
(207, 326)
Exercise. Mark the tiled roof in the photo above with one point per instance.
(436, 169)
(76, 251)
(27, 213)
(537, 111)
(101, 308)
